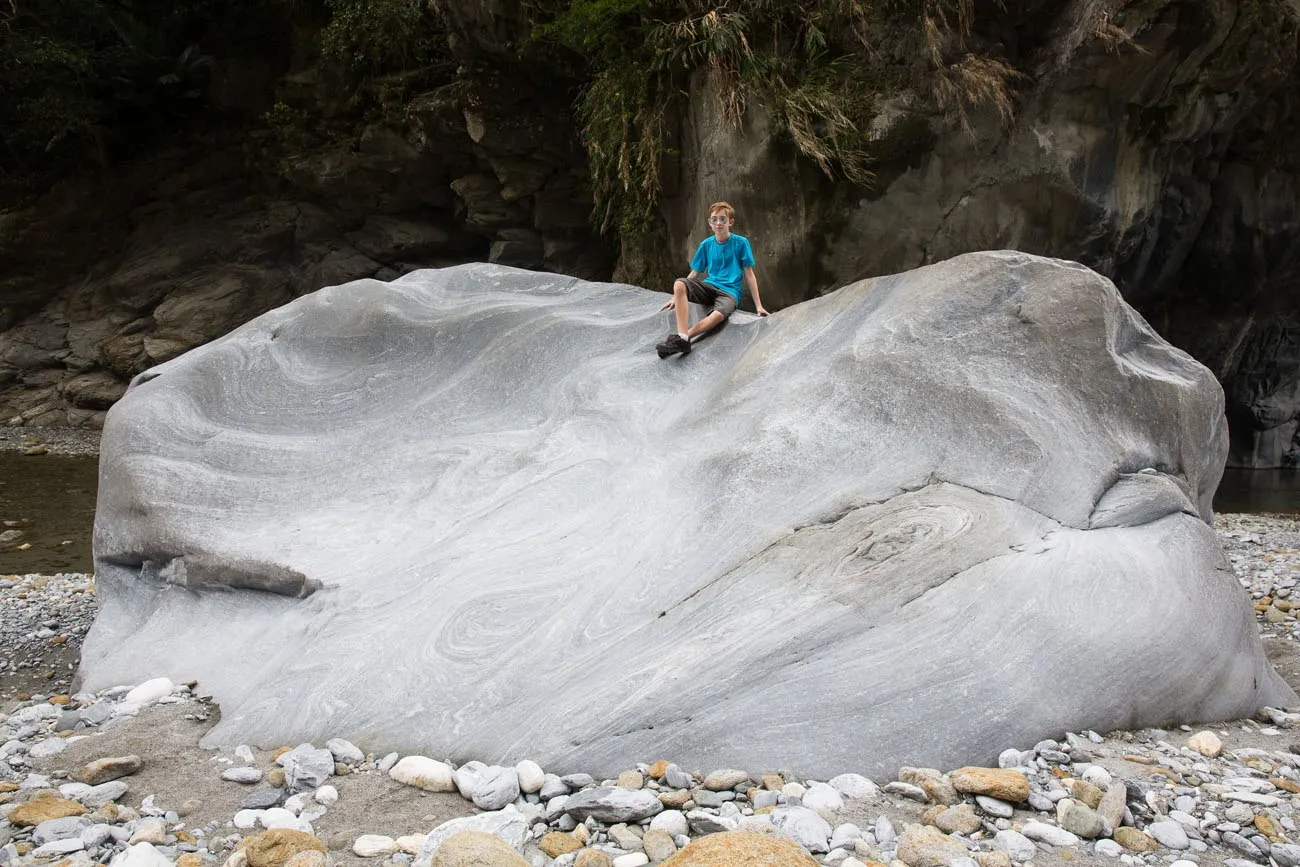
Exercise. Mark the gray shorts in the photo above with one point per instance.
(699, 292)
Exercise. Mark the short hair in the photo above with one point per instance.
(723, 206)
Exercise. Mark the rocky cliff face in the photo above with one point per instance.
(1170, 164)
(1158, 143)
(104, 278)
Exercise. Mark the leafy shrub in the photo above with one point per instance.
(374, 37)
(97, 79)
(802, 59)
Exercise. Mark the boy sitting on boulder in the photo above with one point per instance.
(726, 258)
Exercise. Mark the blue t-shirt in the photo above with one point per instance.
(725, 262)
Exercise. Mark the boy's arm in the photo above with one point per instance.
(752, 282)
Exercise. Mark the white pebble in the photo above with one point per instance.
(48, 747)
(373, 845)
(55, 848)
(1098, 776)
(1015, 844)
(1009, 758)
(424, 773)
(854, 786)
(672, 821)
(820, 796)
(140, 855)
(278, 817)
(247, 819)
(296, 803)
(411, 843)
(1168, 833)
(531, 776)
(150, 690)
(1108, 848)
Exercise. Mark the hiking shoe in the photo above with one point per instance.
(672, 345)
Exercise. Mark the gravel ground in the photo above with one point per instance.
(1265, 553)
(49, 440)
(43, 619)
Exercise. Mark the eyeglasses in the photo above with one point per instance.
(717, 219)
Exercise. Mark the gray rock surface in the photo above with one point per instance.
(608, 804)
(59, 829)
(306, 767)
(497, 787)
(804, 826)
(904, 475)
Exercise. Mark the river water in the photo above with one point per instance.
(50, 502)
(1259, 492)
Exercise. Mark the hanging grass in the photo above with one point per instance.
(811, 63)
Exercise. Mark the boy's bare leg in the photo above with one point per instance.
(681, 307)
(708, 323)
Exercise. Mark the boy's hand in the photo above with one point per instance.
(669, 304)
(761, 311)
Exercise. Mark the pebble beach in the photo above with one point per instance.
(119, 777)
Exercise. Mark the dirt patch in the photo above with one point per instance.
(52, 676)
(177, 769)
(1285, 656)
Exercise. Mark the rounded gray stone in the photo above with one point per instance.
(264, 799)
(609, 804)
(247, 776)
(1168, 833)
(996, 808)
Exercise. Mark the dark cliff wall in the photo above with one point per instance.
(287, 189)
(1168, 160)
(1155, 141)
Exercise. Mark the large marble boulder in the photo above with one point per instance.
(918, 520)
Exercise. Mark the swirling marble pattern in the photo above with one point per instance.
(914, 521)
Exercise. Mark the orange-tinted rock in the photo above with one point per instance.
(741, 849)
(1001, 783)
(273, 848)
(476, 849)
(41, 810)
(1135, 840)
(558, 843)
(105, 770)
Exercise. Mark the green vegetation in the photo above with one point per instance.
(87, 81)
(812, 64)
(84, 83)
(372, 38)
